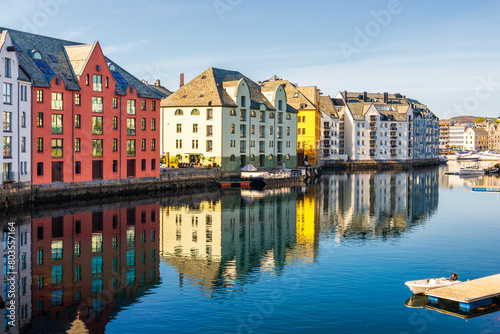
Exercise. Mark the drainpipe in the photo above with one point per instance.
(73, 137)
(120, 140)
(18, 135)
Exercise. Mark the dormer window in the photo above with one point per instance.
(37, 55)
(112, 68)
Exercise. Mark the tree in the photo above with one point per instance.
(480, 120)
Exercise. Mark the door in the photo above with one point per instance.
(57, 172)
(97, 170)
(131, 168)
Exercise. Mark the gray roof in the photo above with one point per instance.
(28, 43)
(208, 89)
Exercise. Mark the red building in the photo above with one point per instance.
(92, 120)
(89, 265)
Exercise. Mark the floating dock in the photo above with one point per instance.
(486, 189)
(451, 173)
(233, 184)
(470, 294)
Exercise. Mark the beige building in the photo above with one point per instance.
(476, 139)
(494, 137)
(444, 135)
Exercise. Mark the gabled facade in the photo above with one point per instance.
(305, 101)
(222, 117)
(475, 139)
(424, 132)
(494, 137)
(332, 128)
(92, 120)
(16, 119)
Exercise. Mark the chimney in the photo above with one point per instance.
(182, 80)
(386, 98)
(157, 83)
(345, 95)
(365, 96)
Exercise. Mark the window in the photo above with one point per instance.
(195, 128)
(115, 166)
(7, 121)
(195, 112)
(179, 112)
(57, 249)
(130, 126)
(153, 105)
(115, 123)
(262, 116)
(143, 144)
(271, 130)
(280, 117)
(57, 148)
(23, 119)
(39, 169)
(280, 105)
(39, 145)
(243, 146)
(107, 82)
(97, 104)
(287, 130)
(243, 131)
(288, 117)
(7, 93)
(7, 146)
(153, 167)
(143, 124)
(115, 144)
(39, 96)
(252, 129)
(131, 107)
(143, 164)
(115, 103)
(233, 128)
(243, 115)
(131, 147)
(232, 112)
(87, 79)
(77, 144)
(96, 147)
(210, 114)
(209, 130)
(96, 125)
(262, 131)
(57, 101)
(253, 113)
(8, 73)
(78, 167)
(57, 124)
(78, 119)
(194, 144)
(97, 83)
(179, 128)
(23, 146)
(243, 101)
(209, 146)
(153, 124)
(57, 274)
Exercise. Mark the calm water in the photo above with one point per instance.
(330, 258)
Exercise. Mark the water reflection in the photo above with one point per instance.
(368, 205)
(223, 244)
(89, 265)
(455, 181)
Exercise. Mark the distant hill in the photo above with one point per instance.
(464, 119)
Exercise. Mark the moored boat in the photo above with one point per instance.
(420, 286)
(471, 170)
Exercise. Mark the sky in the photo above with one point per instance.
(446, 54)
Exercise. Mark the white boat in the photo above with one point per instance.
(443, 159)
(420, 286)
(471, 170)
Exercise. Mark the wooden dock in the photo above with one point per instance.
(470, 291)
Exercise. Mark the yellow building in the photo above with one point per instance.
(305, 100)
(307, 223)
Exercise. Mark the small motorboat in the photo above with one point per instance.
(471, 170)
(443, 159)
(423, 285)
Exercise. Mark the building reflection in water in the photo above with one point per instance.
(367, 205)
(21, 274)
(224, 243)
(221, 244)
(88, 265)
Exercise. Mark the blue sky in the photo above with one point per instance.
(444, 53)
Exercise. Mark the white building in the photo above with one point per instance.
(225, 118)
(16, 111)
(332, 128)
(457, 132)
(381, 127)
